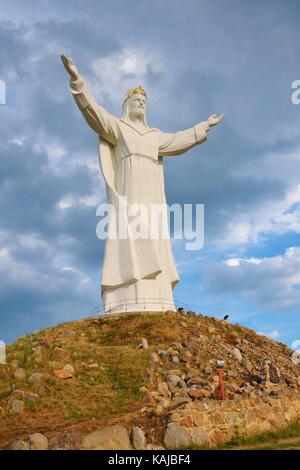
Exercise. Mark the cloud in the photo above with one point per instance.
(272, 335)
(38, 285)
(275, 215)
(114, 74)
(270, 283)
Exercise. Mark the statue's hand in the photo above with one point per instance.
(70, 66)
(213, 120)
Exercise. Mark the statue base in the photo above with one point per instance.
(141, 307)
(154, 295)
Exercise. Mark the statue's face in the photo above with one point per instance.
(137, 106)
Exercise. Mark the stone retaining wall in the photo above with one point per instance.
(215, 422)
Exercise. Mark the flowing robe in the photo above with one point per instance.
(138, 274)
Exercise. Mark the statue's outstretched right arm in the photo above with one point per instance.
(101, 121)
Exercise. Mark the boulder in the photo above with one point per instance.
(154, 357)
(62, 374)
(165, 403)
(144, 343)
(180, 400)
(204, 338)
(274, 373)
(109, 438)
(38, 441)
(187, 356)
(36, 377)
(163, 389)
(176, 437)
(195, 392)
(65, 441)
(19, 445)
(18, 394)
(247, 365)
(138, 438)
(163, 354)
(60, 355)
(159, 410)
(174, 381)
(199, 436)
(31, 397)
(236, 353)
(205, 393)
(191, 372)
(17, 406)
(197, 380)
(69, 368)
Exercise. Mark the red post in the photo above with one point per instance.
(221, 383)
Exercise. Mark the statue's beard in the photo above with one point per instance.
(140, 114)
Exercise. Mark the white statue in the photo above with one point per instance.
(138, 274)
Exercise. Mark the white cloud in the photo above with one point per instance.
(271, 283)
(71, 200)
(54, 151)
(18, 141)
(122, 70)
(68, 268)
(237, 261)
(49, 272)
(272, 335)
(273, 216)
(4, 254)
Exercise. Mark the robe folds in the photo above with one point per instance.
(135, 270)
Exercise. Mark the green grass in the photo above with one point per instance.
(291, 431)
(5, 389)
(278, 445)
(110, 389)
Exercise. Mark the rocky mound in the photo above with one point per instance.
(114, 382)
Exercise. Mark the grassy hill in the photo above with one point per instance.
(76, 377)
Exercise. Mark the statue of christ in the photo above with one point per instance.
(139, 273)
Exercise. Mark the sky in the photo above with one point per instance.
(194, 59)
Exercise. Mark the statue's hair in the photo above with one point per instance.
(125, 112)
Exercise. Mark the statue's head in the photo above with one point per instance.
(134, 104)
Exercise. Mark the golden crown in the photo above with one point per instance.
(138, 90)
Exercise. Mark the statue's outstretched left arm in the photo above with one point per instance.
(182, 141)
